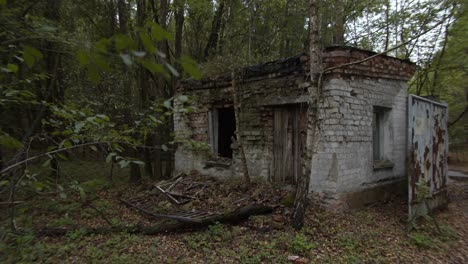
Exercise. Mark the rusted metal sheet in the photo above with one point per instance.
(428, 146)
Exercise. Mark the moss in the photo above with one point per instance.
(288, 201)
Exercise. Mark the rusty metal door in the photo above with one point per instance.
(428, 145)
(288, 142)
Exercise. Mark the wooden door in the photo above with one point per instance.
(288, 141)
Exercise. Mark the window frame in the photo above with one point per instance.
(381, 137)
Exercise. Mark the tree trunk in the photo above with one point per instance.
(387, 26)
(302, 189)
(179, 26)
(112, 20)
(211, 46)
(235, 96)
(123, 16)
(135, 173)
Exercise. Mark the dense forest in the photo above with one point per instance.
(98, 77)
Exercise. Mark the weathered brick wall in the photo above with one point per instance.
(257, 98)
(344, 163)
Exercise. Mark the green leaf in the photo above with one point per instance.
(66, 144)
(164, 147)
(12, 67)
(126, 59)
(172, 70)
(167, 104)
(154, 67)
(39, 186)
(190, 66)
(47, 28)
(139, 54)
(83, 57)
(46, 163)
(158, 33)
(138, 162)
(82, 193)
(147, 43)
(103, 117)
(123, 42)
(31, 55)
(7, 141)
(124, 163)
(109, 157)
(2, 2)
(102, 45)
(93, 148)
(183, 98)
(3, 183)
(61, 156)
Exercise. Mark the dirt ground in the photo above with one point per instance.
(376, 234)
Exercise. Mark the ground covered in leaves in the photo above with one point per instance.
(377, 234)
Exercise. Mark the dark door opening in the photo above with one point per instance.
(226, 130)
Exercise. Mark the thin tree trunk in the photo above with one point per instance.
(235, 96)
(302, 189)
(387, 22)
(123, 16)
(211, 46)
(179, 26)
(113, 19)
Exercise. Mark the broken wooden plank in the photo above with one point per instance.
(188, 217)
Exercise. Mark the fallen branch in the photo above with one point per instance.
(233, 218)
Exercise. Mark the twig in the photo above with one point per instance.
(168, 195)
(10, 203)
(68, 148)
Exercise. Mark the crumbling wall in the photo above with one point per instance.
(258, 96)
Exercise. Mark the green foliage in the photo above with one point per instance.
(288, 201)
(190, 66)
(348, 242)
(31, 55)
(422, 240)
(301, 245)
(9, 142)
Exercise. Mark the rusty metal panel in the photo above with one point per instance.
(428, 146)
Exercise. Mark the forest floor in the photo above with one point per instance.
(375, 234)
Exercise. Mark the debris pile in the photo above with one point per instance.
(198, 198)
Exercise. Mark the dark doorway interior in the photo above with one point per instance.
(226, 130)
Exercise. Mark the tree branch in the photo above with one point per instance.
(386, 51)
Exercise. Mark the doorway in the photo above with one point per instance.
(289, 133)
(222, 128)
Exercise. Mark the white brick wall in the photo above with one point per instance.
(346, 142)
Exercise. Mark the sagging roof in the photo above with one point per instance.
(381, 66)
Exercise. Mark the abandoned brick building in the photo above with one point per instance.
(362, 152)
